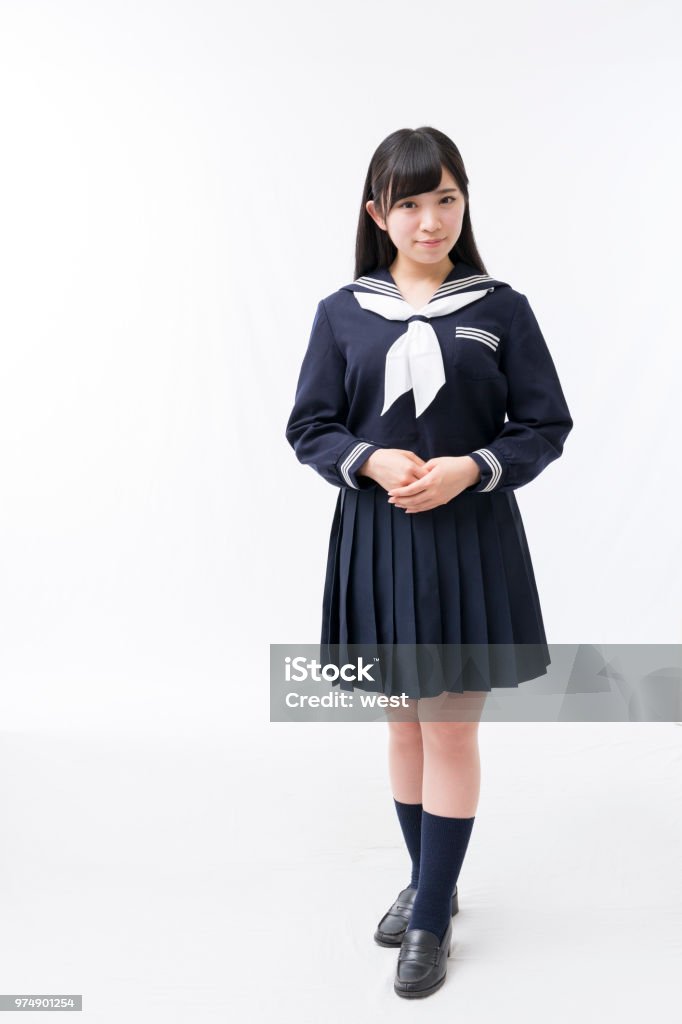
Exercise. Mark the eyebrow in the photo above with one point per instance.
(438, 191)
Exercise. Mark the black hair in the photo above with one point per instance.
(410, 161)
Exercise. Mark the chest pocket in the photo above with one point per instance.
(472, 350)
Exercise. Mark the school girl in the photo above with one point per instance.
(428, 395)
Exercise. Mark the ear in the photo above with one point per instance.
(372, 211)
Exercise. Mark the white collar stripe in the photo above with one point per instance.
(388, 288)
(465, 282)
(379, 286)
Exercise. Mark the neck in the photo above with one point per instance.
(412, 272)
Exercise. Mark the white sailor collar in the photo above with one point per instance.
(462, 278)
(414, 361)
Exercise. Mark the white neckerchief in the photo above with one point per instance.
(414, 360)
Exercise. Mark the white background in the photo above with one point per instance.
(180, 184)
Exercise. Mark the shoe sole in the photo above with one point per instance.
(407, 994)
(392, 943)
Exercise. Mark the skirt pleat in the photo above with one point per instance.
(330, 599)
(402, 582)
(494, 576)
(383, 568)
(457, 580)
(444, 524)
(361, 610)
(474, 623)
(425, 574)
(347, 588)
(534, 619)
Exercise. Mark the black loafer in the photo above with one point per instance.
(391, 928)
(422, 963)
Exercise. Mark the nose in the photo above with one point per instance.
(430, 221)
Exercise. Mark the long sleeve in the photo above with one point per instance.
(316, 427)
(538, 420)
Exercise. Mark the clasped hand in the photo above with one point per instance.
(415, 485)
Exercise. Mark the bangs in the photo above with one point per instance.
(416, 167)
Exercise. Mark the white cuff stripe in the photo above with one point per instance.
(350, 459)
(495, 466)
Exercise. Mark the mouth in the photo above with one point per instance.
(430, 241)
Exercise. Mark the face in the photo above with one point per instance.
(430, 217)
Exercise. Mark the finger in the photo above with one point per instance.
(417, 459)
(416, 487)
(422, 501)
(421, 506)
(403, 494)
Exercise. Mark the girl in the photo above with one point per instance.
(401, 401)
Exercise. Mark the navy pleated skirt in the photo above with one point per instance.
(446, 597)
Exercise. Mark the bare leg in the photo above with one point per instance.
(451, 778)
(405, 761)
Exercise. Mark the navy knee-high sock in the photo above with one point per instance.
(443, 844)
(410, 818)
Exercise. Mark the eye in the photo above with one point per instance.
(446, 199)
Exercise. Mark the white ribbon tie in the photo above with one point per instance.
(415, 361)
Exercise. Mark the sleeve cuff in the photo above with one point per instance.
(490, 467)
(351, 461)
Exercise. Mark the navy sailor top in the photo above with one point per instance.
(469, 373)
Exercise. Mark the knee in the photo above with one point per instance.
(407, 735)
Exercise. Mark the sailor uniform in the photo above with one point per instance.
(469, 373)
